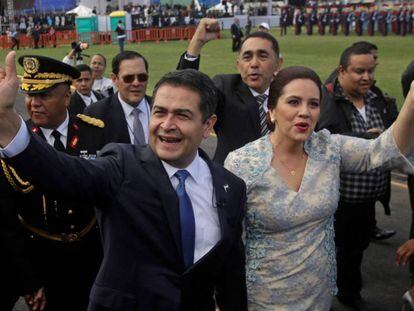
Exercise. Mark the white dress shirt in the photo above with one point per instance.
(103, 85)
(88, 99)
(199, 187)
(254, 93)
(144, 116)
(62, 129)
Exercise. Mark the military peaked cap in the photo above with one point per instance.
(41, 74)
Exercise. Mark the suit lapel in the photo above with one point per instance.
(220, 188)
(155, 169)
(119, 123)
(246, 97)
(80, 102)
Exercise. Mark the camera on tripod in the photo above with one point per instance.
(78, 47)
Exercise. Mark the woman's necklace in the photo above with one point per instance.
(292, 172)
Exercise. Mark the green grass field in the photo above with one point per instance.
(319, 53)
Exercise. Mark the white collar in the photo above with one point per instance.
(86, 97)
(254, 93)
(193, 168)
(62, 128)
(128, 108)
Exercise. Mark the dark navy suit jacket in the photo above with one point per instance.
(238, 120)
(110, 111)
(143, 266)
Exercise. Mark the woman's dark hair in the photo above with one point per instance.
(283, 78)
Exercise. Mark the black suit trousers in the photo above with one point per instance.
(353, 226)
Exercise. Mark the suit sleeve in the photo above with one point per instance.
(218, 81)
(13, 248)
(184, 63)
(65, 176)
(231, 292)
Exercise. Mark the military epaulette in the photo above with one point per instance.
(15, 180)
(90, 120)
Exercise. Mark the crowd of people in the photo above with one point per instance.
(25, 23)
(106, 196)
(362, 19)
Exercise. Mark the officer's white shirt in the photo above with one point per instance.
(62, 129)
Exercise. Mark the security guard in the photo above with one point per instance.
(62, 239)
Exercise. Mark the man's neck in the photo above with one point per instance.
(356, 99)
(88, 95)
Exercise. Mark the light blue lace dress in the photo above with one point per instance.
(289, 235)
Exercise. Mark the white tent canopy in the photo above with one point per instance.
(81, 11)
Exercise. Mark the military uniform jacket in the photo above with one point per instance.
(41, 211)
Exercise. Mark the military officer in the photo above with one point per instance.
(62, 238)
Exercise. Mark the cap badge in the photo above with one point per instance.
(31, 65)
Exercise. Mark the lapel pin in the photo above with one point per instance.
(226, 187)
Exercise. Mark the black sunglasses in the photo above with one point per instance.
(142, 77)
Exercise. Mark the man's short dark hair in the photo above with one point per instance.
(195, 81)
(265, 36)
(84, 67)
(369, 45)
(126, 55)
(352, 50)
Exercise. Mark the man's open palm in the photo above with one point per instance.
(8, 82)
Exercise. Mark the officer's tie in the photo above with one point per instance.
(187, 221)
(137, 130)
(262, 114)
(58, 145)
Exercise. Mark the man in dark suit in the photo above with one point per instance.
(83, 95)
(126, 113)
(62, 241)
(241, 113)
(236, 35)
(164, 248)
(17, 274)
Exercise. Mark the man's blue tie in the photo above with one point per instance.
(187, 221)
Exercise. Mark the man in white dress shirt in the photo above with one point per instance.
(127, 112)
(170, 218)
(83, 95)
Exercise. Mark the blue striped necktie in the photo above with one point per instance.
(262, 114)
(187, 221)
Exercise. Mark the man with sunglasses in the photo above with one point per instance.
(126, 113)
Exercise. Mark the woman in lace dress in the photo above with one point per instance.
(292, 178)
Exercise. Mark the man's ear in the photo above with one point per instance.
(209, 125)
(114, 78)
(67, 96)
